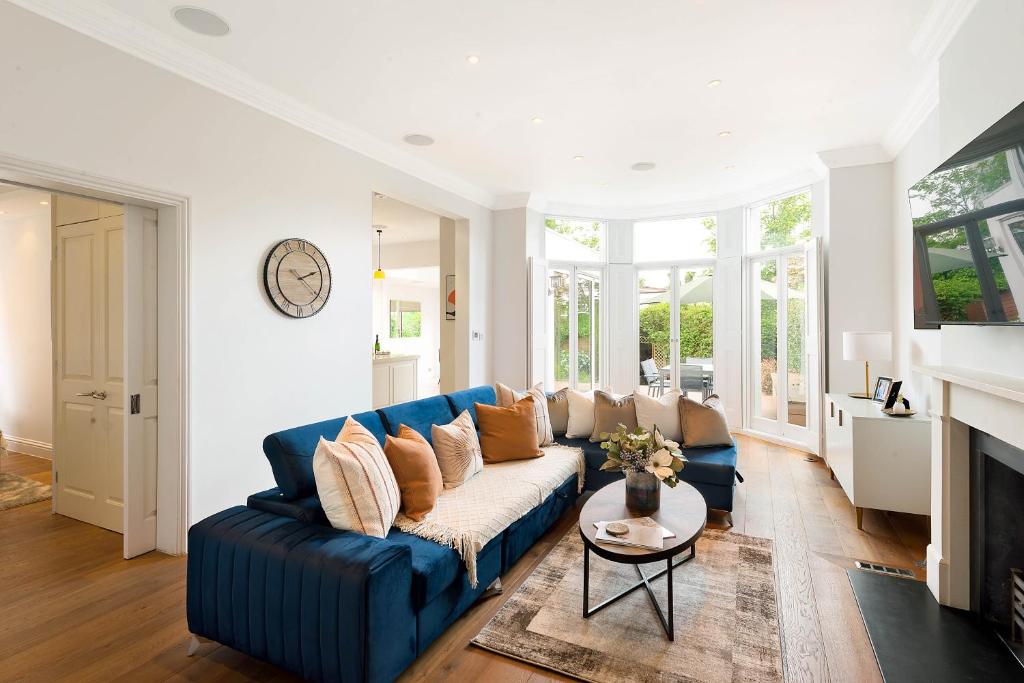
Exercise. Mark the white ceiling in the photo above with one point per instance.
(404, 222)
(617, 82)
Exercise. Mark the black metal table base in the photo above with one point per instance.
(645, 582)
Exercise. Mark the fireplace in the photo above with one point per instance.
(997, 535)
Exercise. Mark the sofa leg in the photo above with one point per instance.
(728, 518)
(493, 589)
(193, 645)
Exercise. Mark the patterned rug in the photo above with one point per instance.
(16, 490)
(726, 617)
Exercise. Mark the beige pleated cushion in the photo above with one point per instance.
(581, 414)
(611, 411)
(458, 450)
(704, 424)
(357, 488)
(558, 412)
(507, 397)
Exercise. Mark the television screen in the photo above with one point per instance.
(968, 219)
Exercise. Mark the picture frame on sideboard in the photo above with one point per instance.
(882, 386)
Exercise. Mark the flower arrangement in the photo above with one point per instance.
(643, 451)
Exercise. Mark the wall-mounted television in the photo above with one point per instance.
(968, 217)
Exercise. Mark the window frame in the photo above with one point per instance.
(675, 217)
(750, 224)
(602, 254)
(602, 274)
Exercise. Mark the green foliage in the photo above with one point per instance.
(786, 221)
(642, 451)
(795, 331)
(409, 325)
(958, 191)
(956, 289)
(589, 235)
(711, 227)
(696, 334)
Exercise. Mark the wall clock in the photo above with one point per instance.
(297, 278)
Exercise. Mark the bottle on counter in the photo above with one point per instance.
(376, 343)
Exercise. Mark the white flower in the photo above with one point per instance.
(662, 458)
(663, 472)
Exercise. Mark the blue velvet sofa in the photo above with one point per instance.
(273, 579)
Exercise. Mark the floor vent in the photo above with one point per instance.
(883, 569)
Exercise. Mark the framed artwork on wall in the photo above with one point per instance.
(449, 297)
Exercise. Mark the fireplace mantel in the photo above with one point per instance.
(962, 398)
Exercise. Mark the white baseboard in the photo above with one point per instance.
(775, 439)
(39, 449)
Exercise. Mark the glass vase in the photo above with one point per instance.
(643, 491)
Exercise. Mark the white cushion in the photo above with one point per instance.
(662, 412)
(506, 396)
(357, 488)
(581, 414)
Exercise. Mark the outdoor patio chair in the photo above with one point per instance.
(655, 382)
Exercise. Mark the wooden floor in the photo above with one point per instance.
(72, 609)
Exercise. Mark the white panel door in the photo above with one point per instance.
(140, 379)
(89, 482)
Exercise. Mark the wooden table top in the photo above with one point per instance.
(683, 511)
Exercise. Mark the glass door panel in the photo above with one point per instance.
(695, 289)
(796, 339)
(558, 301)
(654, 300)
(766, 367)
(588, 338)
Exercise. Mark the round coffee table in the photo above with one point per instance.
(683, 511)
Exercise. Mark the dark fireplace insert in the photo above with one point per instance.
(997, 537)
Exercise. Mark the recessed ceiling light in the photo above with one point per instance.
(714, 83)
(730, 167)
(45, 203)
(724, 133)
(578, 157)
(378, 195)
(419, 139)
(473, 59)
(201, 21)
(537, 120)
(643, 166)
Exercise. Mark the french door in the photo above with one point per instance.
(783, 344)
(575, 311)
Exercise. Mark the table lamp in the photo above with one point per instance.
(867, 346)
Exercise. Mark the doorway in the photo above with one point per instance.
(782, 342)
(408, 301)
(117, 313)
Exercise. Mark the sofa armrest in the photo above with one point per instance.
(328, 605)
(307, 509)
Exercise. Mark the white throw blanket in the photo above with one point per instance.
(468, 517)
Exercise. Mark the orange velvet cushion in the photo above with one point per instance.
(508, 433)
(415, 467)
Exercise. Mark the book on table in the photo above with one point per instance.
(643, 532)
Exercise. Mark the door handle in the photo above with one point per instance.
(100, 395)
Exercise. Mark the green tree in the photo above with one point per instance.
(587, 234)
(959, 190)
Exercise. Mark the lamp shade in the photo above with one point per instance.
(867, 346)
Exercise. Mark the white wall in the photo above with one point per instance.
(979, 82)
(252, 180)
(26, 358)
(860, 267)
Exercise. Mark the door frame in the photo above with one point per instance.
(173, 239)
(602, 329)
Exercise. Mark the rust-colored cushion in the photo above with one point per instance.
(508, 433)
(415, 467)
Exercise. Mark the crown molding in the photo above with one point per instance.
(138, 39)
(854, 156)
(938, 28)
(923, 101)
(775, 188)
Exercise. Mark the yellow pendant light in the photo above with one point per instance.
(379, 273)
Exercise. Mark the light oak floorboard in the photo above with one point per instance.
(72, 610)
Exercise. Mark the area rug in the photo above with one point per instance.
(16, 490)
(726, 617)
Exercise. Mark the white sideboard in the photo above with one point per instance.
(882, 462)
(395, 379)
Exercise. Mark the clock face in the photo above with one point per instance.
(297, 278)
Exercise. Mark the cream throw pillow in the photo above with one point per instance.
(662, 412)
(357, 488)
(581, 414)
(508, 397)
(457, 448)
(704, 423)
